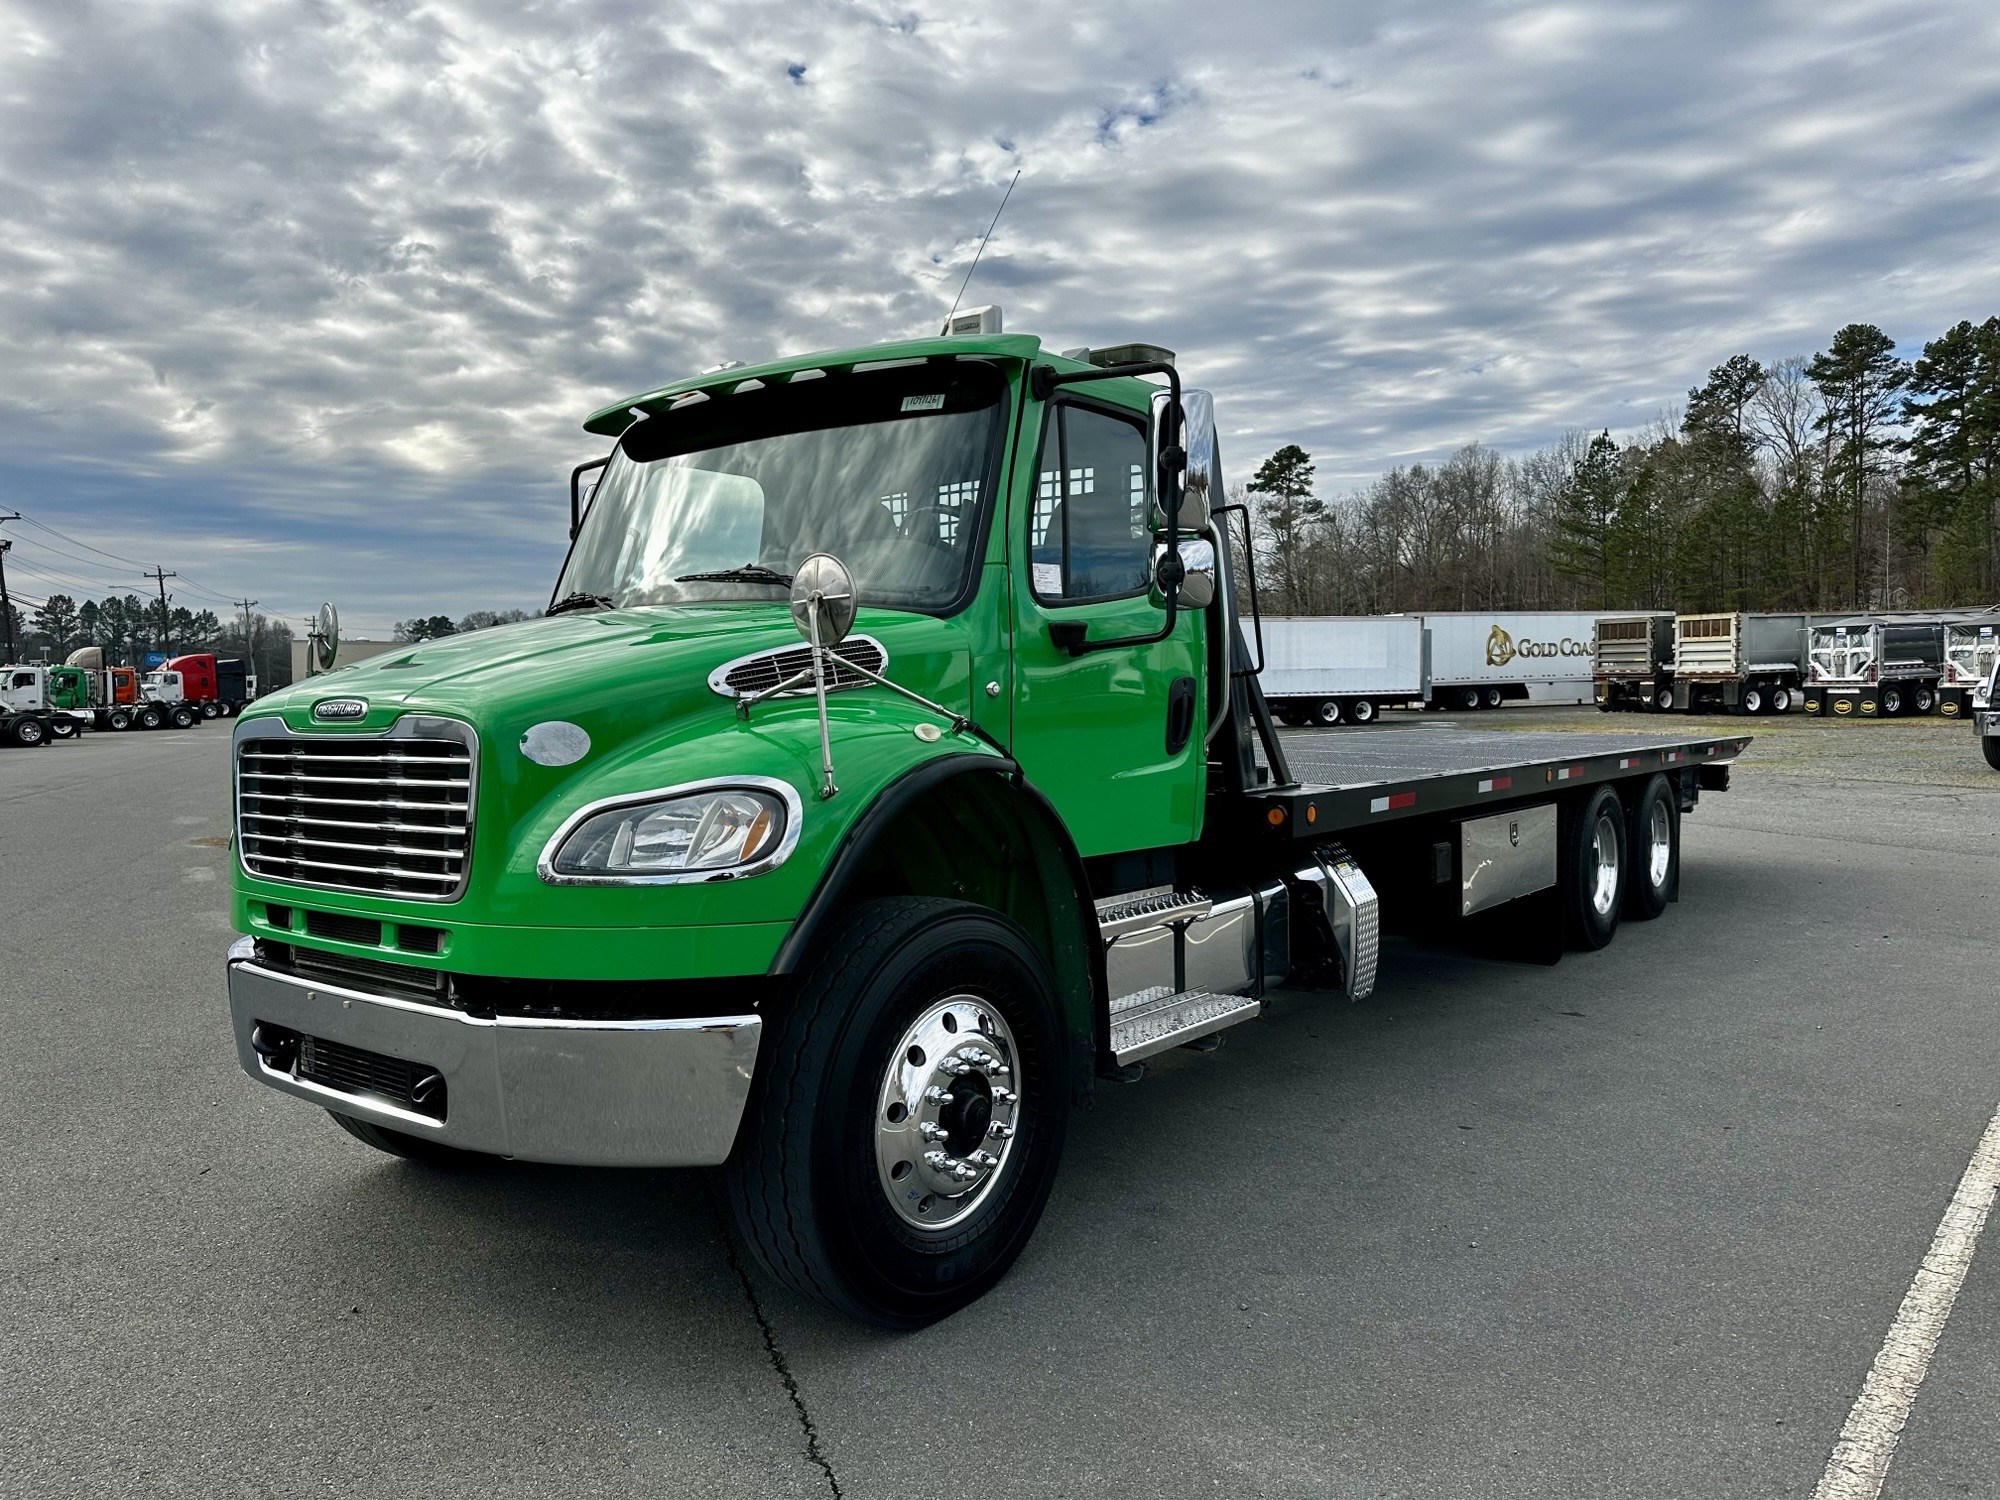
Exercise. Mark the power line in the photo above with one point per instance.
(188, 583)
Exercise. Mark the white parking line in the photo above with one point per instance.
(1860, 1461)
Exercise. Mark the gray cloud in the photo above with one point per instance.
(310, 299)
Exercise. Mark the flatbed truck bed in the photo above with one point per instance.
(1363, 778)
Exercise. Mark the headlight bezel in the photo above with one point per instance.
(784, 793)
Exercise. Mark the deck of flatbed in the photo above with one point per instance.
(1358, 777)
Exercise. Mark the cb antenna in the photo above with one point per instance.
(980, 251)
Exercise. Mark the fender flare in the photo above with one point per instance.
(1087, 1015)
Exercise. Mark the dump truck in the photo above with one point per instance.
(1738, 663)
(1873, 667)
(1971, 652)
(1632, 662)
(1330, 670)
(889, 771)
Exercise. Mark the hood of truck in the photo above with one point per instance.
(636, 683)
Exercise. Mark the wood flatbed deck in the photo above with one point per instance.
(1359, 778)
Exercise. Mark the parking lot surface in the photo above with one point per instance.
(1634, 1225)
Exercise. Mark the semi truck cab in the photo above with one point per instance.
(889, 769)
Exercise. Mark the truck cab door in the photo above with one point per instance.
(1113, 738)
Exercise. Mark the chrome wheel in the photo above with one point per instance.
(945, 1114)
(1604, 873)
(1659, 844)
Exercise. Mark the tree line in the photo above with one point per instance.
(431, 627)
(1847, 479)
(126, 628)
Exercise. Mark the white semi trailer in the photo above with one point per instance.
(1344, 669)
(1341, 669)
(1483, 658)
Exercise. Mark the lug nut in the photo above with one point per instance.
(999, 1131)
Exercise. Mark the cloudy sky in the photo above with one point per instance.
(306, 298)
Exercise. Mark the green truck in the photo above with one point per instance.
(889, 769)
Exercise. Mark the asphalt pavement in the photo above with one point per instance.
(1634, 1225)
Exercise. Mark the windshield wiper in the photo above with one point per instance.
(749, 573)
(578, 601)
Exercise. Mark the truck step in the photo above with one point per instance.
(1154, 1020)
(1118, 915)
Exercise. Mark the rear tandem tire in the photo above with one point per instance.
(807, 1185)
(1591, 867)
(1362, 711)
(29, 732)
(1327, 713)
(1494, 697)
(410, 1147)
(1652, 849)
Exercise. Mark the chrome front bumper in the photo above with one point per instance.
(650, 1093)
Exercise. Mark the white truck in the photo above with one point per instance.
(26, 689)
(1483, 658)
(163, 700)
(1341, 669)
(1732, 662)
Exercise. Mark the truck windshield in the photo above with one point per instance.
(889, 470)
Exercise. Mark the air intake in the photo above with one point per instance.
(758, 673)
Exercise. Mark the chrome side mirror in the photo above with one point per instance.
(1200, 475)
(1197, 582)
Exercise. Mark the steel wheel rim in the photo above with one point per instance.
(1659, 843)
(1604, 876)
(946, 1113)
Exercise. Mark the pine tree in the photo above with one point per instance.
(1859, 378)
(1291, 516)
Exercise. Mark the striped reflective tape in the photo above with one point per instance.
(1496, 784)
(1393, 801)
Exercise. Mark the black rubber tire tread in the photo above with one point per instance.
(409, 1147)
(29, 732)
(768, 1179)
(1583, 928)
(1989, 745)
(1643, 901)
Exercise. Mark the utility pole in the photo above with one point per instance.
(249, 646)
(160, 576)
(7, 604)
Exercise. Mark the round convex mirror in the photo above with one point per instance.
(823, 585)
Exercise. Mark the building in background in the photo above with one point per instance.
(349, 653)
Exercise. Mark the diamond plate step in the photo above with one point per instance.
(1118, 915)
(1154, 1020)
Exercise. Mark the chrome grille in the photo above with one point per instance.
(389, 815)
(759, 673)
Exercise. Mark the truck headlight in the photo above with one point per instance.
(705, 831)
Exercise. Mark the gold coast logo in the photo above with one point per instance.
(1502, 648)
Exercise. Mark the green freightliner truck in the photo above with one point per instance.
(889, 769)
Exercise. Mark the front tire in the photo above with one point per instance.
(63, 729)
(1989, 745)
(907, 1115)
